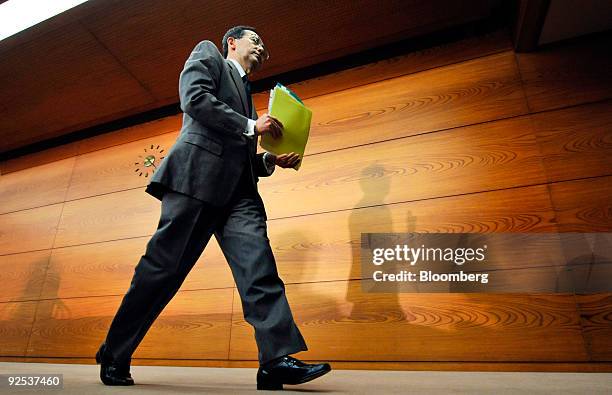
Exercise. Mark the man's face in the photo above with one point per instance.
(250, 51)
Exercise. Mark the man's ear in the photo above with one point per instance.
(231, 43)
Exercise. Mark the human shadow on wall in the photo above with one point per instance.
(46, 289)
(371, 215)
(50, 308)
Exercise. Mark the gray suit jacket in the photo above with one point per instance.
(211, 152)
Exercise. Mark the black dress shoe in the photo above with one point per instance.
(112, 373)
(288, 370)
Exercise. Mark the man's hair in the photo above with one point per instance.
(237, 32)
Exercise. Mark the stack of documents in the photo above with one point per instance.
(287, 107)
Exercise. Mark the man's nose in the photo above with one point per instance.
(261, 51)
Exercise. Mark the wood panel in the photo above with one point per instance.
(106, 140)
(576, 142)
(596, 318)
(69, 92)
(413, 62)
(22, 275)
(484, 84)
(464, 160)
(585, 367)
(155, 58)
(429, 58)
(39, 158)
(326, 247)
(29, 230)
(195, 324)
(114, 168)
(112, 60)
(425, 327)
(15, 325)
(516, 149)
(36, 186)
(131, 213)
(583, 205)
(107, 268)
(141, 131)
(304, 246)
(475, 91)
(567, 74)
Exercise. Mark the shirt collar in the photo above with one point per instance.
(238, 67)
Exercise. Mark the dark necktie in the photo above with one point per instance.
(247, 88)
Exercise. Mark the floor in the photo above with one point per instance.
(83, 380)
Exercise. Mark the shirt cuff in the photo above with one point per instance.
(268, 165)
(250, 130)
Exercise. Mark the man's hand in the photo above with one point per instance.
(287, 160)
(268, 124)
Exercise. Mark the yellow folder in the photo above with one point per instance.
(295, 117)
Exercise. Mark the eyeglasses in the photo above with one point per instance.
(257, 41)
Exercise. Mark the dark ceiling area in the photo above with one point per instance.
(107, 62)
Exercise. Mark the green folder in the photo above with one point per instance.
(285, 106)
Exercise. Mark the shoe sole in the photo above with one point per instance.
(313, 376)
(275, 386)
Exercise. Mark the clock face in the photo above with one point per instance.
(149, 161)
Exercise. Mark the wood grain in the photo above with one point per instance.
(471, 159)
(131, 213)
(403, 174)
(410, 105)
(36, 186)
(114, 169)
(304, 247)
(39, 158)
(583, 205)
(195, 324)
(413, 62)
(107, 268)
(109, 139)
(425, 327)
(429, 58)
(325, 247)
(567, 74)
(141, 131)
(475, 91)
(22, 275)
(576, 142)
(95, 73)
(596, 319)
(29, 230)
(15, 326)
(488, 156)
(585, 367)
(67, 93)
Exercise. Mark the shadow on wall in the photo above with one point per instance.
(375, 183)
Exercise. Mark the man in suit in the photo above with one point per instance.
(208, 185)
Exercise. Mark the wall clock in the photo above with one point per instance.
(149, 161)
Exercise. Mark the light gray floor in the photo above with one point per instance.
(83, 380)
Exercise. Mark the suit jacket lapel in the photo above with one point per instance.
(240, 86)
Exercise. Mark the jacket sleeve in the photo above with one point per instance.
(259, 166)
(198, 85)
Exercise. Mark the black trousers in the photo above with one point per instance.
(185, 227)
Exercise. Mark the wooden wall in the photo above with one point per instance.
(465, 137)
